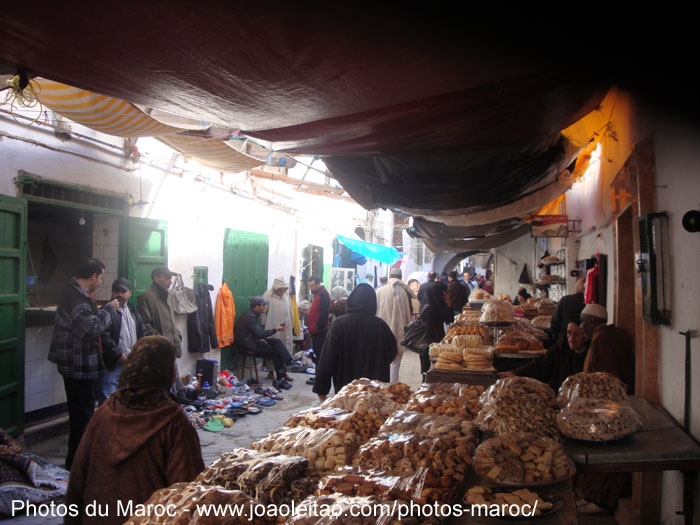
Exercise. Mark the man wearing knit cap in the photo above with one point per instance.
(611, 348)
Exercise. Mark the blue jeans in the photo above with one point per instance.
(108, 382)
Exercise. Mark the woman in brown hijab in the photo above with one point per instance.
(137, 442)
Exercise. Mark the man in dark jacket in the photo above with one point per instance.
(359, 344)
(423, 290)
(127, 328)
(319, 312)
(249, 333)
(76, 346)
(457, 293)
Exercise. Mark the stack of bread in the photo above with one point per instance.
(449, 361)
(546, 306)
(518, 342)
(497, 311)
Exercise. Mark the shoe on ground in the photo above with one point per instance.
(310, 381)
(270, 375)
(285, 385)
(272, 395)
(287, 377)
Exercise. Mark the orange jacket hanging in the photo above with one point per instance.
(225, 316)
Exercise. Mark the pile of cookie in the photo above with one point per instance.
(364, 424)
(519, 457)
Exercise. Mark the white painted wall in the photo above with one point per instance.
(197, 203)
(677, 149)
(509, 260)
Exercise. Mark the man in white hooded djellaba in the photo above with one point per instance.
(394, 308)
(279, 311)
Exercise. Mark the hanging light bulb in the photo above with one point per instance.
(81, 221)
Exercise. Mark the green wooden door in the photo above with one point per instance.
(13, 240)
(146, 248)
(245, 273)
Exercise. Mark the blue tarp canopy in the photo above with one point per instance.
(385, 254)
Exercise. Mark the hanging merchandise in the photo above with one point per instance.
(178, 299)
(524, 276)
(224, 316)
(201, 331)
(296, 324)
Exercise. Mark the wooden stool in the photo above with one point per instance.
(247, 362)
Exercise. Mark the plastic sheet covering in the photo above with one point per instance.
(597, 385)
(437, 230)
(482, 243)
(385, 254)
(522, 458)
(365, 424)
(325, 448)
(270, 477)
(426, 184)
(598, 420)
(184, 499)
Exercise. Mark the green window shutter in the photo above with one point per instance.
(146, 248)
(13, 240)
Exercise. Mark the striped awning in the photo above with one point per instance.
(108, 115)
(211, 152)
(119, 118)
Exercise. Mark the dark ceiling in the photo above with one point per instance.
(440, 107)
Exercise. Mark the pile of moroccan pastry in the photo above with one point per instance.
(479, 495)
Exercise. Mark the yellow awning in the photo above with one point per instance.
(212, 153)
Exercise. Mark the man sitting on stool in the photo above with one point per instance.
(248, 332)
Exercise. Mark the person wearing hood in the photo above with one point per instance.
(394, 306)
(137, 442)
(359, 344)
(435, 312)
(279, 313)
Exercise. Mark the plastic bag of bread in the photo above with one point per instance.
(524, 341)
(522, 386)
(365, 425)
(269, 477)
(546, 306)
(324, 448)
(596, 385)
(479, 295)
(452, 389)
(363, 402)
(543, 322)
(497, 311)
(444, 404)
(446, 460)
(598, 420)
(437, 349)
(398, 391)
(518, 404)
(428, 425)
(183, 500)
(522, 458)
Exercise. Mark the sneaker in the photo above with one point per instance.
(283, 384)
(310, 381)
(266, 402)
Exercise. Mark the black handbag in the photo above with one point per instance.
(415, 337)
